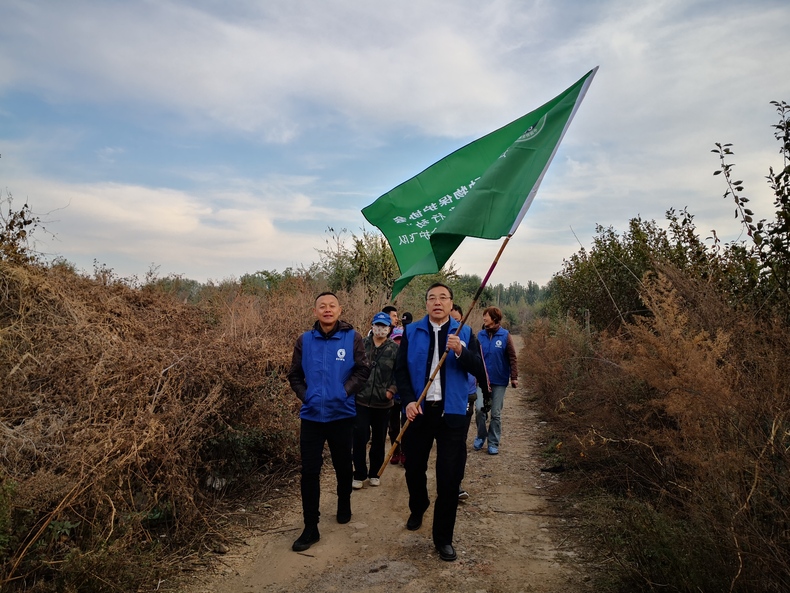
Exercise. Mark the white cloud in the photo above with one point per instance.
(255, 74)
(182, 233)
(675, 77)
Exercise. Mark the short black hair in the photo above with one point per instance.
(326, 293)
(437, 285)
(389, 308)
(458, 308)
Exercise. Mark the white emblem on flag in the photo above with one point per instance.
(533, 130)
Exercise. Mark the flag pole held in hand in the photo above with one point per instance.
(397, 442)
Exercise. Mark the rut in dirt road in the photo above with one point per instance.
(508, 537)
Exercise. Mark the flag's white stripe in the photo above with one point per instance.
(528, 201)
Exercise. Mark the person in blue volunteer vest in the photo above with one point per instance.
(442, 415)
(328, 368)
(499, 355)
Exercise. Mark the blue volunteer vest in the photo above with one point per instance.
(327, 364)
(455, 392)
(495, 355)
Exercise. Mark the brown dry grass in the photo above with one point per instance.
(681, 421)
(126, 412)
(118, 405)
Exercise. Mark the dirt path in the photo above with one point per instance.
(508, 537)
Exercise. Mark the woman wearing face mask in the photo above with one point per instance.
(374, 402)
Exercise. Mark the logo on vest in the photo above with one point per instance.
(498, 343)
(341, 354)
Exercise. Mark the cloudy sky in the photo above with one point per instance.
(214, 139)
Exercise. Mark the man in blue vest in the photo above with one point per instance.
(499, 354)
(328, 368)
(442, 415)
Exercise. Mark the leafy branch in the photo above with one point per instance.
(735, 189)
(15, 230)
(771, 239)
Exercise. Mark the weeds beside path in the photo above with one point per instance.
(509, 536)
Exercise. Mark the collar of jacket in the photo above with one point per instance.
(425, 324)
(493, 330)
(339, 326)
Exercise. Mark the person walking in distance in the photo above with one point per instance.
(392, 311)
(499, 354)
(328, 368)
(442, 415)
(374, 402)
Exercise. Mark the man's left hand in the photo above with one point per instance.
(514, 383)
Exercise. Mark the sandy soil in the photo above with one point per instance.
(509, 536)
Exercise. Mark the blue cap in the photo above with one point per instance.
(382, 318)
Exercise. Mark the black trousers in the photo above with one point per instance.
(369, 420)
(470, 410)
(450, 439)
(339, 435)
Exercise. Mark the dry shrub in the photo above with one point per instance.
(571, 381)
(119, 406)
(556, 358)
(683, 419)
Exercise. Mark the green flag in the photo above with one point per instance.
(481, 190)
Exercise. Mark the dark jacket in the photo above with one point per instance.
(413, 365)
(327, 368)
(382, 378)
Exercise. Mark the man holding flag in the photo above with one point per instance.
(483, 190)
(442, 416)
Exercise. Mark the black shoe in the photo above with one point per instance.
(344, 510)
(309, 536)
(343, 518)
(414, 522)
(447, 552)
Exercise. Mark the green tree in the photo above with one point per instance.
(465, 287)
(603, 283)
(374, 262)
(366, 258)
(770, 240)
